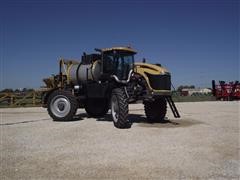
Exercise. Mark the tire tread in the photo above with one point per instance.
(123, 121)
(156, 111)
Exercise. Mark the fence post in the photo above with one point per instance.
(34, 98)
(11, 102)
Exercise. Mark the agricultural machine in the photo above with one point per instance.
(108, 79)
(226, 92)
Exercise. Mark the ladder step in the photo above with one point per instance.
(172, 106)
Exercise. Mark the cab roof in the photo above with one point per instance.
(128, 49)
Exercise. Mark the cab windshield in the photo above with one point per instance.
(118, 64)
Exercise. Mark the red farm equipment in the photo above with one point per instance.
(226, 91)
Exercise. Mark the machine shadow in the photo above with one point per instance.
(141, 121)
(137, 118)
(77, 117)
(80, 116)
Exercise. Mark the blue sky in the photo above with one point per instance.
(196, 40)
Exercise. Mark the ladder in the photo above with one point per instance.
(172, 106)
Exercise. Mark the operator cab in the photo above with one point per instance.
(118, 62)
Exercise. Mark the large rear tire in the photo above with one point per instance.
(119, 108)
(96, 107)
(62, 105)
(156, 110)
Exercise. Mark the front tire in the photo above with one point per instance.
(119, 109)
(156, 110)
(62, 105)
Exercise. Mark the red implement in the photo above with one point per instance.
(226, 92)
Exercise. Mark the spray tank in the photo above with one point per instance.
(76, 72)
(83, 72)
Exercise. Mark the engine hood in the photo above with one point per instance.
(150, 69)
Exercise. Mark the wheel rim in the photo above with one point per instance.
(60, 106)
(114, 108)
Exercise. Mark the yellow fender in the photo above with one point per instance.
(143, 68)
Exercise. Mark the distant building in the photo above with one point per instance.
(189, 92)
(206, 90)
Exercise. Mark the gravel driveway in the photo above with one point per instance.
(203, 144)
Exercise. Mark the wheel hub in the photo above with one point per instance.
(60, 106)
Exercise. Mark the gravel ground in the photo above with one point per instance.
(203, 144)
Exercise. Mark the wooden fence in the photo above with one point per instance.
(32, 98)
